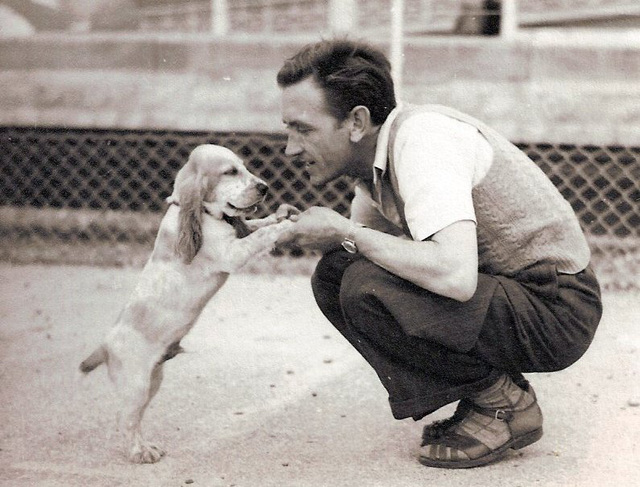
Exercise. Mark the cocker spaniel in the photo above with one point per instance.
(202, 238)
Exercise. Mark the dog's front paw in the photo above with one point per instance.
(145, 453)
(287, 212)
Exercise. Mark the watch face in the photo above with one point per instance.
(349, 246)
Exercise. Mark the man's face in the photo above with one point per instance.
(314, 135)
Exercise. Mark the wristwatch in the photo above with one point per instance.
(349, 243)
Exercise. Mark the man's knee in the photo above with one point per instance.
(331, 267)
(359, 284)
(326, 282)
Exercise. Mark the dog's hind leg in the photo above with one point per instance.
(97, 357)
(156, 380)
(136, 394)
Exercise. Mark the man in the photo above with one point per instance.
(461, 266)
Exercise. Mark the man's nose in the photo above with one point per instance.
(293, 146)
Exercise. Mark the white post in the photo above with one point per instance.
(219, 17)
(508, 19)
(397, 47)
(342, 16)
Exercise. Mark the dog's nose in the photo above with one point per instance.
(262, 188)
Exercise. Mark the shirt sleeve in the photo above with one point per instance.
(436, 163)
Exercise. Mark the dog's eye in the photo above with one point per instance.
(231, 172)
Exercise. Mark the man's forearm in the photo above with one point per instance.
(446, 264)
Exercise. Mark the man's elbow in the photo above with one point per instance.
(462, 288)
(463, 295)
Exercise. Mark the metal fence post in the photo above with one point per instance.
(219, 17)
(342, 15)
(397, 44)
(508, 19)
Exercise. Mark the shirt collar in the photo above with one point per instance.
(382, 145)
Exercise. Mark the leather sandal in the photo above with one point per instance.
(483, 436)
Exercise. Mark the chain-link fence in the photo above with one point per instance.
(102, 192)
(104, 188)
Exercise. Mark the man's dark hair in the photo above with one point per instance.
(350, 73)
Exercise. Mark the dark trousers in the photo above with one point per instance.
(429, 351)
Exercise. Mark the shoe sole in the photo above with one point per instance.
(514, 444)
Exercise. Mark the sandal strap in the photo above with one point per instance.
(495, 413)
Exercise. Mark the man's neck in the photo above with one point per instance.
(365, 156)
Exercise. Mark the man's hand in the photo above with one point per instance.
(317, 228)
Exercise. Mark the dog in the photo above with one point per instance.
(202, 238)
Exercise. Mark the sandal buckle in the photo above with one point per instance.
(501, 415)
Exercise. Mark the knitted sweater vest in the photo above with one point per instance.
(522, 219)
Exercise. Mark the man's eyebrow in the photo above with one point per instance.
(296, 124)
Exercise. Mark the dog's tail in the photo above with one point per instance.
(98, 357)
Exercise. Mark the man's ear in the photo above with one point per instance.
(360, 120)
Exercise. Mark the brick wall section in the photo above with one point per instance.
(532, 91)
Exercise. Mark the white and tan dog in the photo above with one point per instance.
(195, 250)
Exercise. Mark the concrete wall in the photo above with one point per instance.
(533, 89)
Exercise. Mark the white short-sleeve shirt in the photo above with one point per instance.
(438, 160)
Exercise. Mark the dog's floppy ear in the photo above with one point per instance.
(191, 196)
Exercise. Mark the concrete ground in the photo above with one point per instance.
(270, 395)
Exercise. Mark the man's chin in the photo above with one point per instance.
(320, 182)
